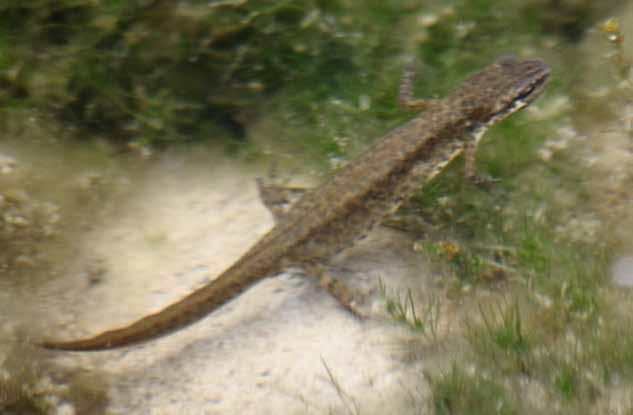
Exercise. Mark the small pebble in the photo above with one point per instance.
(622, 271)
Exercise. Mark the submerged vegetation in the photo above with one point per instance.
(550, 335)
(150, 72)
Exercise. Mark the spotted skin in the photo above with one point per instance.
(330, 218)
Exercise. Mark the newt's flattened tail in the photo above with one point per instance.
(174, 317)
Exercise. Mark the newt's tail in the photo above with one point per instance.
(190, 309)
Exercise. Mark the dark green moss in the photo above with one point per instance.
(160, 71)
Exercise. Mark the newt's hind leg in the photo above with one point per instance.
(278, 199)
(347, 297)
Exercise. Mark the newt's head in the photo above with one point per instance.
(500, 89)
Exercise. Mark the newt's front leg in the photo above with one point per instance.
(406, 100)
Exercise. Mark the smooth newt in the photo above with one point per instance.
(333, 216)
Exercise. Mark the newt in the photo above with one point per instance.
(333, 216)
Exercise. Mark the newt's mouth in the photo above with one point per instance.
(529, 91)
(535, 86)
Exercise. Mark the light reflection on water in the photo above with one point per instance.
(622, 271)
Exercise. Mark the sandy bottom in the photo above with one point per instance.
(283, 347)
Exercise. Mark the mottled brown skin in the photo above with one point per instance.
(333, 216)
